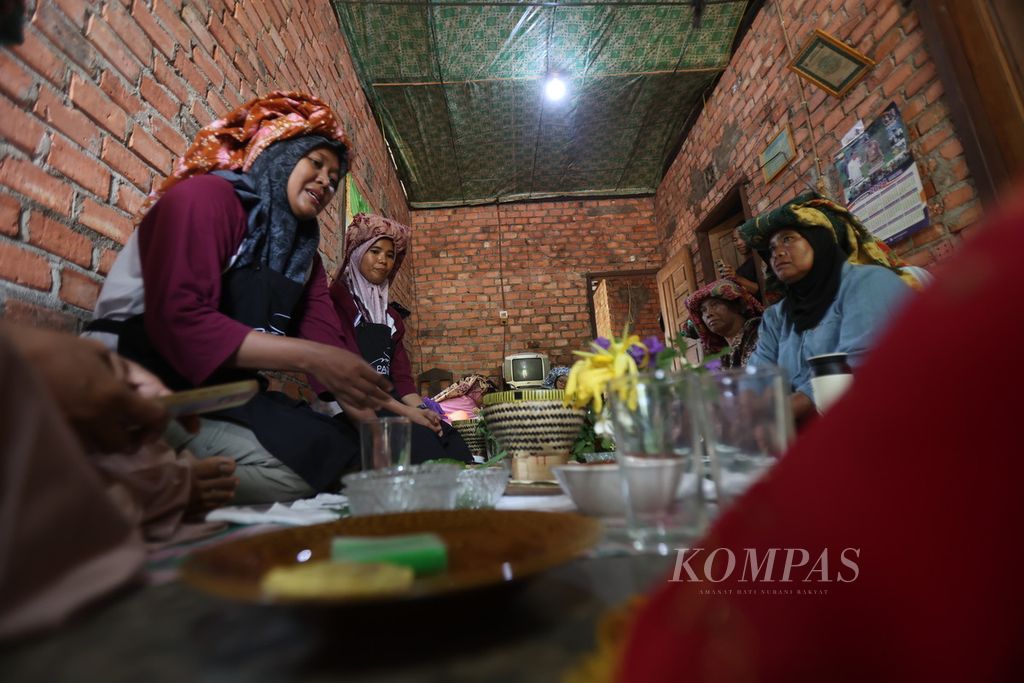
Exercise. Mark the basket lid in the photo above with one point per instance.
(523, 395)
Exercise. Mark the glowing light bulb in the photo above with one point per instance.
(554, 89)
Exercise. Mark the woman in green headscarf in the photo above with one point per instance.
(841, 285)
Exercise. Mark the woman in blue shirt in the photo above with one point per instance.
(841, 286)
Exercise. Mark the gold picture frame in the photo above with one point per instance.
(778, 154)
(830, 64)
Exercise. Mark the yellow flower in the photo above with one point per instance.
(589, 376)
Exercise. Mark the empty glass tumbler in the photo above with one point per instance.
(385, 442)
(748, 423)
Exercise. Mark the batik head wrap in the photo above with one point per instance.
(836, 236)
(362, 233)
(811, 210)
(719, 289)
(255, 148)
(233, 143)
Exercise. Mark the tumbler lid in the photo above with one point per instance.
(829, 364)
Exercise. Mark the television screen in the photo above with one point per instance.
(527, 369)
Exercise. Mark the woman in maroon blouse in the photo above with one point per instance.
(375, 247)
(223, 278)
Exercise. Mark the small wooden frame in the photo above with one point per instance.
(777, 155)
(830, 64)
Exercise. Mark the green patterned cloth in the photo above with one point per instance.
(459, 92)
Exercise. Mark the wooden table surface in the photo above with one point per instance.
(529, 632)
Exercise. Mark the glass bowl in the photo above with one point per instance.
(431, 486)
(481, 487)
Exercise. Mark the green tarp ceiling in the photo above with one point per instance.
(458, 87)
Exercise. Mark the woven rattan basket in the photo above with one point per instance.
(467, 430)
(534, 427)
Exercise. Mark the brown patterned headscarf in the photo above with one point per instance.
(234, 142)
(368, 227)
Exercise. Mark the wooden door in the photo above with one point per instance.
(722, 247)
(676, 281)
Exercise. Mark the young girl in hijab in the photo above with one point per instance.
(222, 278)
(375, 247)
(841, 286)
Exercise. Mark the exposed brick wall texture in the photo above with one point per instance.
(757, 95)
(104, 95)
(539, 257)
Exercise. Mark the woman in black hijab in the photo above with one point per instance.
(840, 284)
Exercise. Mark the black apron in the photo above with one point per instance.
(377, 347)
(316, 447)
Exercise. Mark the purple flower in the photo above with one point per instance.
(433, 405)
(654, 345)
(638, 354)
(603, 342)
(714, 365)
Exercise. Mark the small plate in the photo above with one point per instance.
(485, 548)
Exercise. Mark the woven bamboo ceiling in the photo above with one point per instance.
(458, 87)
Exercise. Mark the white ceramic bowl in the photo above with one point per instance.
(595, 489)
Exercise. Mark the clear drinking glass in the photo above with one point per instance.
(747, 426)
(385, 442)
(657, 439)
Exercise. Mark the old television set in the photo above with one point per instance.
(525, 370)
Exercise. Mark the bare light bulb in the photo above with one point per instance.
(554, 89)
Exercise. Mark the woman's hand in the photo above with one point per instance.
(141, 379)
(343, 373)
(433, 420)
(411, 407)
(425, 417)
(95, 389)
(349, 377)
(803, 407)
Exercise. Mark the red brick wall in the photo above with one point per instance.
(546, 250)
(102, 96)
(757, 95)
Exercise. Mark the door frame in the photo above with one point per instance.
(970, 119)
(604, 274)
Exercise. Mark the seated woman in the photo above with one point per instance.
(462, 400)
(724, 313)
(222, 278)
(557, 377)
(375, 247)
(840, 284)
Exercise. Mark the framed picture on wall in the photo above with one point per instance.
(830, 64)
(777, 155)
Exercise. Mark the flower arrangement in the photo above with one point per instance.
(627, 356)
